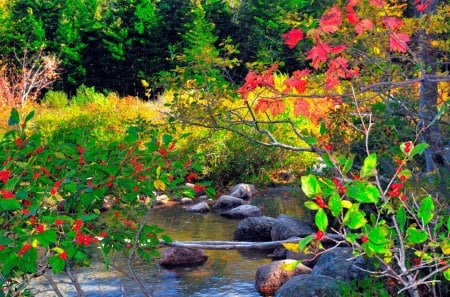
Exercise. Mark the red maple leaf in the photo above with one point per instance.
(261, 105)
(377, 3)
(353, 3)
(253, 80)
(338, 68)
(331, 20)
(292, 37)
(331, 82)
(277, 106)
(364, 25)
(352, 16)
(422, 6)
(296, 81)
(301, 107)
(397, 42)
(393, 22)
(319, 53)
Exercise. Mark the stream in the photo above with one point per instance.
(226, 273)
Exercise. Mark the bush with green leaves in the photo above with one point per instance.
(52, 198)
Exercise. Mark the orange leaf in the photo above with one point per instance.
(277, 106)
(296, 81)
(377, 3)
(292, 37)
(364, 25)
(331, 20)
(393, 22)
(262, 105)
(301, 107)
(397, 42)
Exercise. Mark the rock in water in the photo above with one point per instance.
(307, 285)
(243, 211)
(182, 257)
(244, 191)
(226, 202)
(201, 207)
(254, 229)
(270, 277)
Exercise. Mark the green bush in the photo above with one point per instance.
(86, 95)
(55, 99)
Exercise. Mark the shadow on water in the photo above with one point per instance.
(226, 273)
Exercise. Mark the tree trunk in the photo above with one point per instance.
(436, 156)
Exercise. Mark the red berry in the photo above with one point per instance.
(320, 235)
(364, 239)
(320, 202)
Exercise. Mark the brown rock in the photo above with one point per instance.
(176, 257)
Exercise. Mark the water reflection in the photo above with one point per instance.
(226, 273)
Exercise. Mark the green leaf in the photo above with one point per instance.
(50, 236)
(322, 129)
(418, 149)
(401, 218)
(310, 139)
(304, 242)
(378, 235)
(30, 116)
(363, 191)
(310, 185)
(166, 238)
(167, 138)
(369, 166)
(87, 198)
(355, 218)
(57, 264)
(447, 274)
(311, 205)
(348, 165)
(425, 212)
(14, 118)
(416, 236)
(334, 204)
(9, 263)
(89, 217)
(321, 220)
(9, 204)
(448, 224)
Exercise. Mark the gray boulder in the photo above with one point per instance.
(226, 202)
(244, 191)
(336, 263)
(242, 211)
(182, 257)
(186, 200)
(286, 227)
(254, 229)
(270, 277)
(201, 207)
(307, 285)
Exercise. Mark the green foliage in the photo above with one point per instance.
(53, 195)
(368, 287)
(55, 99)
(86, 95)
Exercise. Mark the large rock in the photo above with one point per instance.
(226, 202)
(182, 257)
(254, 229)
(286, 227)
(201, 207)
(307, 285)
(242, 211)
(270, 277)
(244, 191)
(336, 264)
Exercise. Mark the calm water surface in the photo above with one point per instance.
(226, 273)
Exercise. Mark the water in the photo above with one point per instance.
(226, 273)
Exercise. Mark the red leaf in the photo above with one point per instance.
(301, 107)
(422, 6)
(338, 68)
(277, 106)
(338, 48)
(296, 82)
(351, 16)
(331, 82)
(393, 22)
(377, 3)
(397, 42)
(353, 3)
(292, 37)
(251, 82)
(262, 105)
(331, 20)
(364, 25)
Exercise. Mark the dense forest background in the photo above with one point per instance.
(121, 45)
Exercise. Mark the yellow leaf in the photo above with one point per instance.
(159, 185)
(58, 250)
(346, 204)
(293, 247)
(35, 242)
(445, 247)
